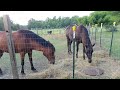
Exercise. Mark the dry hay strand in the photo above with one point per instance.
(63, 68)
(100, 54)
(116, 74)
(51, 73)
(58, 71)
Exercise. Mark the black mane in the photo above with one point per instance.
(38, 39)
(87, 35)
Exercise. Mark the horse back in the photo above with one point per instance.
(20, 42)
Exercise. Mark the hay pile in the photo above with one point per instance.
(64, 67)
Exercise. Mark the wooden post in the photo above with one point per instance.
(89, 29)
(7, 26)
(95, 31)
(101, 34)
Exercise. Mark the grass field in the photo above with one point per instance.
(63, 66)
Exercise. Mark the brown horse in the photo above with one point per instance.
(24, 42)
(81, 36)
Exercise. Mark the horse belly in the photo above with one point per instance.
(22, 48)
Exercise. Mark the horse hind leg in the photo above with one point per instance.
(69, 47)
(83, 52)
(31, 62)
(77, 49)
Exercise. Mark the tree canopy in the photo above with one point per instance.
(97, 17)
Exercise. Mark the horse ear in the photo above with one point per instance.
(93, 45)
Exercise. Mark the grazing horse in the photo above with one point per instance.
(24, 42)
(81, 36)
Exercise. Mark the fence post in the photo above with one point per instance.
(112, 38)
(74, 29)
(7, 26)
(37, 31)
(95, 31)
(101, 34)
(89, 29)
(92, 32)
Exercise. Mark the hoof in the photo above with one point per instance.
(22, 73)
(34, 70)
(76, 56)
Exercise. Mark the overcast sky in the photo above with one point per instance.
(22, 17)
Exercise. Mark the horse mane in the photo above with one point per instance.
(38, 39)
(68, 27)
(84, 29)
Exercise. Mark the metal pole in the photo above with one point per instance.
(74, 28)
(7, 26)
(112, 38)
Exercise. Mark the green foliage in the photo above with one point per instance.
(97, 17)
(14, 27)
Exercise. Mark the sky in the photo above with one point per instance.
(22, 17)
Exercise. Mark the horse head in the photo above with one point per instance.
(50, 54)
(89, 51)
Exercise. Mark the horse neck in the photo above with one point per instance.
(87, 41)
(39, 47)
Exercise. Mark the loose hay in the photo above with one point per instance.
(51, 73)
(63, 68)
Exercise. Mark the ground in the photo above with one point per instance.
(63, 68)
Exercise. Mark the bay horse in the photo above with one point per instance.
(81, 36)
(24, 42)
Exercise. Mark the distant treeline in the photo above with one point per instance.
(97, 17)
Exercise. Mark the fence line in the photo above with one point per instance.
(106, 39)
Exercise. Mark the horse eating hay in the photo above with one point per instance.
(24, 42)
(81, 36)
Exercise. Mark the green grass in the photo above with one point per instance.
(106, 41)
(54, 31)
(57, 38)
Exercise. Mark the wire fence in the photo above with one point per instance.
(108, 39)
(64, 64)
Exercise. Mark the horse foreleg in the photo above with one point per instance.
(31, 62)
(77, 49)
(22, 55)
(83, 52)
(69, 47)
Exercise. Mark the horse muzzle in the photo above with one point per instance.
(89, 60)
(52, 62)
